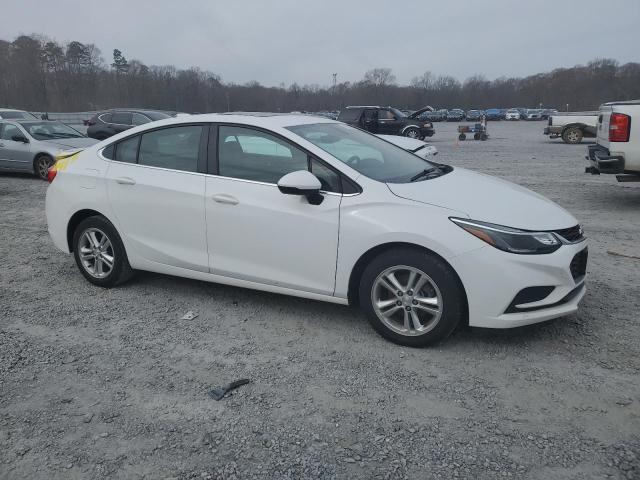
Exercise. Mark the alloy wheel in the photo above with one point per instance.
(42, 165)
(96, 253)
(406, 300)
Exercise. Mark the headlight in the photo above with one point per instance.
(511, 240)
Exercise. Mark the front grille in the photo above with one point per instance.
(579, 265)
(571, 235)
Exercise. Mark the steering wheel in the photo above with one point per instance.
(353, 160)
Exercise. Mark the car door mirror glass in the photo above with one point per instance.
(301, 182)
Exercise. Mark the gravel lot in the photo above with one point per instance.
(112, 383)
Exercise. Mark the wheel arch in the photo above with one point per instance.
(75, 220)
(366, 257)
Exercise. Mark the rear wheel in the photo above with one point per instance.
(41, 166)
(99, 252)
(462, 136)
(572, 135)
(476, 136)
(411, 298)
(483, 136)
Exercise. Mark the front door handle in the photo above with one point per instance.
(225, 199)
(125, 181)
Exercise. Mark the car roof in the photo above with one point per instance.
(256, 119)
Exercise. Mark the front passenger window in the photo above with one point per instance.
(254, 155)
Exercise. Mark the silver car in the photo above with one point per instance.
(32, 145)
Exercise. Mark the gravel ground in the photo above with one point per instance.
(112, 383)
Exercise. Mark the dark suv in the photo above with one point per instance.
(105, 124)
(387, 121)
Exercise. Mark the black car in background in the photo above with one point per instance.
(105, 124)
(387, 121)
(455, 115)
(474, 115)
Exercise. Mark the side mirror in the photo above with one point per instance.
(19, 138)
(302, 182)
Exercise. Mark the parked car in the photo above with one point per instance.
(32, 145)
(315, 208)
(572, 127)
(492, 114)
(105, 124)
(387, 121)
(512, 114)
(547, 112)
(10, 114)
(474, 115)
(455, 115)
(533, 114)
(413, 145)
(434, 116)
(617, 148)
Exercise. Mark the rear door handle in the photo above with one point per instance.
(225, 199)
(125, 181)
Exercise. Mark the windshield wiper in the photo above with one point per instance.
(423, 173)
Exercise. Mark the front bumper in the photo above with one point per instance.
(553, 131)
(427, 132)
(602, 161)
(493, 279)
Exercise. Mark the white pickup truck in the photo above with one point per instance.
(572, 127)
(617, 148)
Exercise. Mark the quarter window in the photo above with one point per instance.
(127, 150)
(176, 148)
(329, 179)
(254, 155)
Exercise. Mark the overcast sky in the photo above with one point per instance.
(274, 41)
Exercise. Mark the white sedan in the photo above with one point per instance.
(315, 208)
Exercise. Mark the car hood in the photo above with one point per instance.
(488, 199)
(403, 142)
(82, 142)
(417, 113)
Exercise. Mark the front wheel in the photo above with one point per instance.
(411, 298)
(412, 133)
(99, 252)
(41, 166)
(462, 136)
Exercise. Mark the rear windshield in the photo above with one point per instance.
(17, 115)
(157, 115)
(349, 115)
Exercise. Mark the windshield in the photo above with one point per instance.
(365, 153)
(398, 113)
(50, 130)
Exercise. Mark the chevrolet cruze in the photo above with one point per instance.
(314, 208)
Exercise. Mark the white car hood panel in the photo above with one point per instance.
(489, 199)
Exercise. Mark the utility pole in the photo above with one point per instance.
(333, 91)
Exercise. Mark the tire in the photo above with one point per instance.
(90, 231)
(462, 136)
(483, 136)
(412, 132)
(41, 165)
(440, 292)
(476, 136)
(572, 135)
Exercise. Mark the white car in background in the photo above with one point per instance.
(318, 209)
(512, 114)
(413, 145)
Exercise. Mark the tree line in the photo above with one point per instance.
(40, 74)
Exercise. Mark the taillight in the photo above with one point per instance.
(619, 127)
(51, 173)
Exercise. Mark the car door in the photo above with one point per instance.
(370, 120)
(388, 124)
(156, 184)
(15, 155)
(259, 234)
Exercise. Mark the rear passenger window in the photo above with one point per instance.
(175, 148)
(121, 118)
(127, 150)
